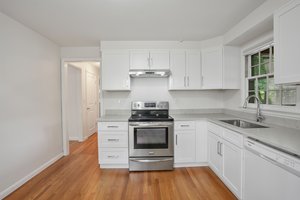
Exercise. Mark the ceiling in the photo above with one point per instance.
(86, 22)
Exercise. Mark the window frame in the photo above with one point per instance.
(246, 56)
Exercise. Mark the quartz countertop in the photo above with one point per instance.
(287, 139)
(114, 118)
(284, 138)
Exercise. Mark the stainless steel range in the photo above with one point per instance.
(151, 132)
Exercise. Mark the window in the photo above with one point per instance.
(260, 80)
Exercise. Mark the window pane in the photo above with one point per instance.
(251, 85)
(264, 68)
(255, 71)
(254, 59)
(289, 97)
(262, 84)
(271, 85)
(271, 70)
(274, 97)
(265, 56)
(252, 100)
(262, 96)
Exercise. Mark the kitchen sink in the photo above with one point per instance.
(243, 124)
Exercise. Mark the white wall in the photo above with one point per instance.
(80, 52)
(256, 23)
(30, 103)
(156, 89)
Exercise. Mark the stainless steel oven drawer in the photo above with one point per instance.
(151, 164)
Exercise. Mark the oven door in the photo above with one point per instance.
(151, 139)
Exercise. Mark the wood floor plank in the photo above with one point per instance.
(78, 176)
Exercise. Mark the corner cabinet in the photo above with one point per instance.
(287, 43)
(221, 68)
(115, 70)
(149, 59)
(185, 70)
(225, 156)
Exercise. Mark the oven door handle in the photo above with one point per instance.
(152, 160)
(151, 125)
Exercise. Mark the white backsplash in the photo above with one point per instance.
(156, 89)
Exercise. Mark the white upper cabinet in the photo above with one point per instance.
(193, 70)
(287, 43)
(185, 70)
(139, 59)
(212, 68)
(115, 70)
(177, 67)
(221, 68)
(149, 59)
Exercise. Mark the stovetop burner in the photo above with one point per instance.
(149, 118)
(150, 111)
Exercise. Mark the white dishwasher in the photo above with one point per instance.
(270, 174)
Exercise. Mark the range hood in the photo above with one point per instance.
(149, 73)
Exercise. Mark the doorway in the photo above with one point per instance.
(80, 100)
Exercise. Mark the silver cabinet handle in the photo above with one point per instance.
(113, 156)
(202, 81)
(184, 125)
(221, 149)
(188, 81)
(218, 148)
(176, 139)
(112, 126)
(113, 140)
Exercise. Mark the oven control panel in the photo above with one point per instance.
(150, 105)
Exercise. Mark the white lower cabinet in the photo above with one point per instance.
(113, 144)
(190, 143)
(185, 146)
(214, 158)
(225, 157)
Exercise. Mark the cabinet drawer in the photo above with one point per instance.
(113, 126)
(113, 156)
(233, 137)
(217, 130)
(113, 139)
(185, 125)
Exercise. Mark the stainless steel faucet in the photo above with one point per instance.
(259, 117)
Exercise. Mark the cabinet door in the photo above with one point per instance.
(177, 79)
(159, 59)
(214, 158)
(212, 68)
(185, 149)
(287, 43)
(139, 59)
(193, 70)
(115, 70)
(232, 167)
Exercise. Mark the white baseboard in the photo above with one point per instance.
(73, 138)
(202, 164)
(114, 166)
(19, 183)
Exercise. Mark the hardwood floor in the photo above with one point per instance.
(78, 176)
